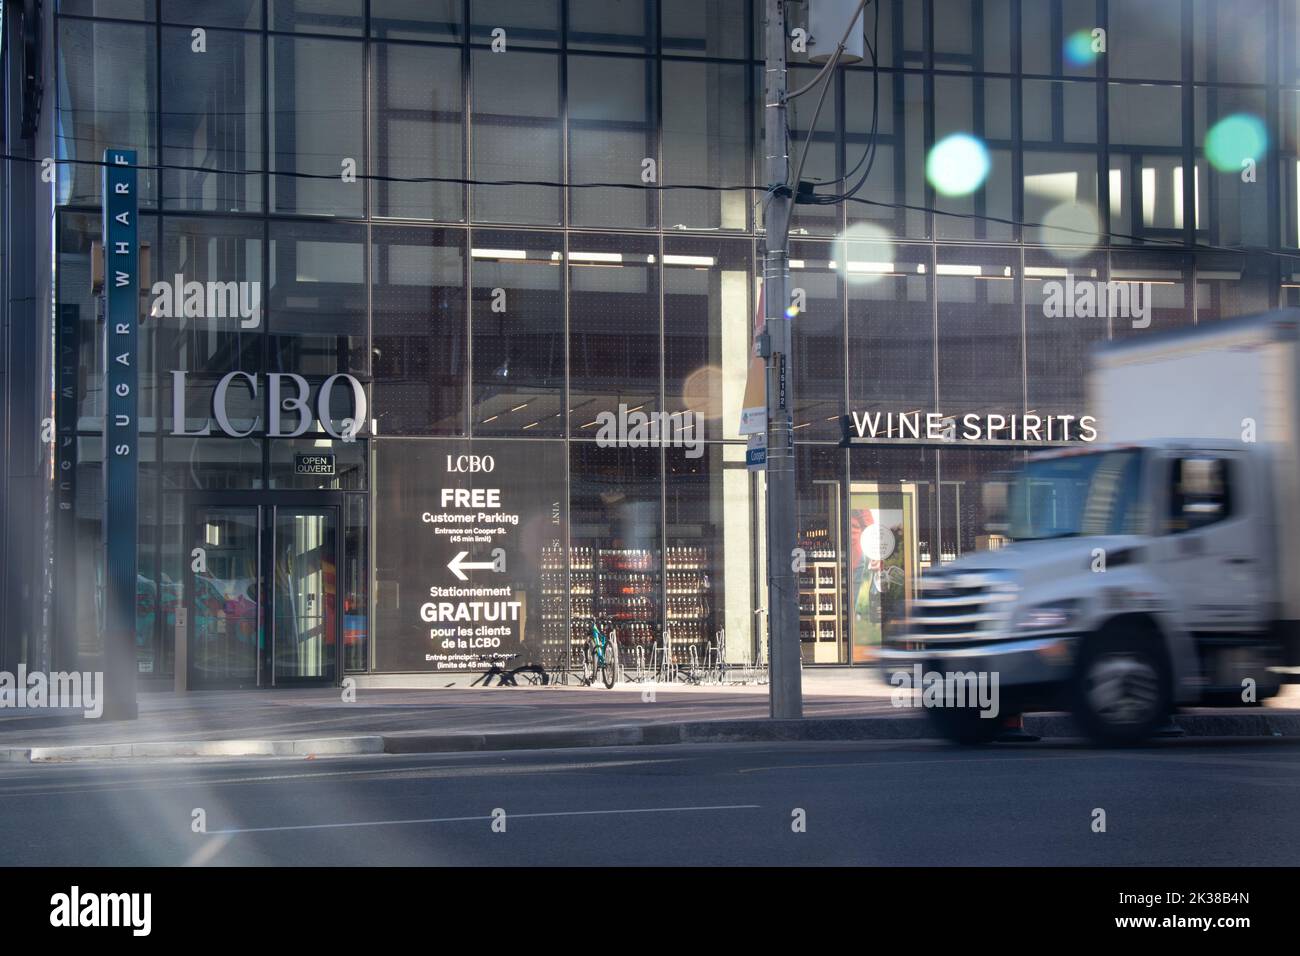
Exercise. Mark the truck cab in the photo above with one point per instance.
(1138, 577)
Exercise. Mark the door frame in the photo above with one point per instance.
(266, 503)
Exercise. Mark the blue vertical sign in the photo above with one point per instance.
(121, 428)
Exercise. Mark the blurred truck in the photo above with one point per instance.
(1158, 567)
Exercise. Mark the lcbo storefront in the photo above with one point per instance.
(398, 411)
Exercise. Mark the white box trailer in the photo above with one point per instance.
(1158, 566)
(1236, 381)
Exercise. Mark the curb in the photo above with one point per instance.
(1255, 724)
(311, 746)
(808, 729)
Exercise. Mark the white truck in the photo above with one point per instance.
(1158, 567)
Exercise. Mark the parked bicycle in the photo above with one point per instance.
(600, 655)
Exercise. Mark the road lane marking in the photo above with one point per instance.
(489, 817)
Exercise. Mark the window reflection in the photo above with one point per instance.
(818, 341)
(625, 25)
(1164, 278)
(419, 348)
(1230, 284)
(213, 251)
(1060, 153)
(706, 310)
(1145, 39)
(518, 296)
(244, 14)
(1229, 39)
(536, 23)
(317, 298)
(979, 331)
(1058, 341)
(708, 28)
(973, 35)
(897, 173)
(212, 121)
(611, 135)
(416, 19)
(1232, 183)
(891, 334)
(516, 124)
(417, 132)
(316, 128)
(1146, 162)
(980, 108)
(704, 144)
(1047, 25)
(614, 357)
(107, 90)
(317, 16)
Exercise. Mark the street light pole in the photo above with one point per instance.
(786, 693)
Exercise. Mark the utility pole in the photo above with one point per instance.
(774, 344)
(786, 692)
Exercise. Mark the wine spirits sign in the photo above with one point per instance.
(925, 428)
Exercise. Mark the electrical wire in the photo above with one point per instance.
(869, 152)
(829, 72)
(1140, 242)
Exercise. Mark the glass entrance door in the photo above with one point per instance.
(305, 594)
(225, 597)
(264, 595)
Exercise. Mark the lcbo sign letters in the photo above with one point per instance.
(286, 392)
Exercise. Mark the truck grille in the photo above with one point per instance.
(967, 606)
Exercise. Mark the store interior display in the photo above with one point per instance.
(822, 635)
(689, 596)
(623, 586)
(821, 632)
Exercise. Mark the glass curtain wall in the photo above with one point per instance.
(445, 200)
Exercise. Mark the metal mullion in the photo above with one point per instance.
(367, 119)
(1188, 134)
(1272, 103)
(1017, 133)
(564, 123)
(1102, 151)
(267, 209)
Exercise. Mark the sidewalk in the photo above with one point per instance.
(839, 705)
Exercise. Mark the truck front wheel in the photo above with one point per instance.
(1122, 692)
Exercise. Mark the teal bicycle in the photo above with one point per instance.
(600, 655)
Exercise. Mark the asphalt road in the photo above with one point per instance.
(1182, 802)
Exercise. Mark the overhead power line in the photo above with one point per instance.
(1139, 241)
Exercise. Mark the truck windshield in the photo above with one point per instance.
(1093, 494)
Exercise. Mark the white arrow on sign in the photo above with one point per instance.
(459, 562)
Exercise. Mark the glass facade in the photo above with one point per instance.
(343, 191)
